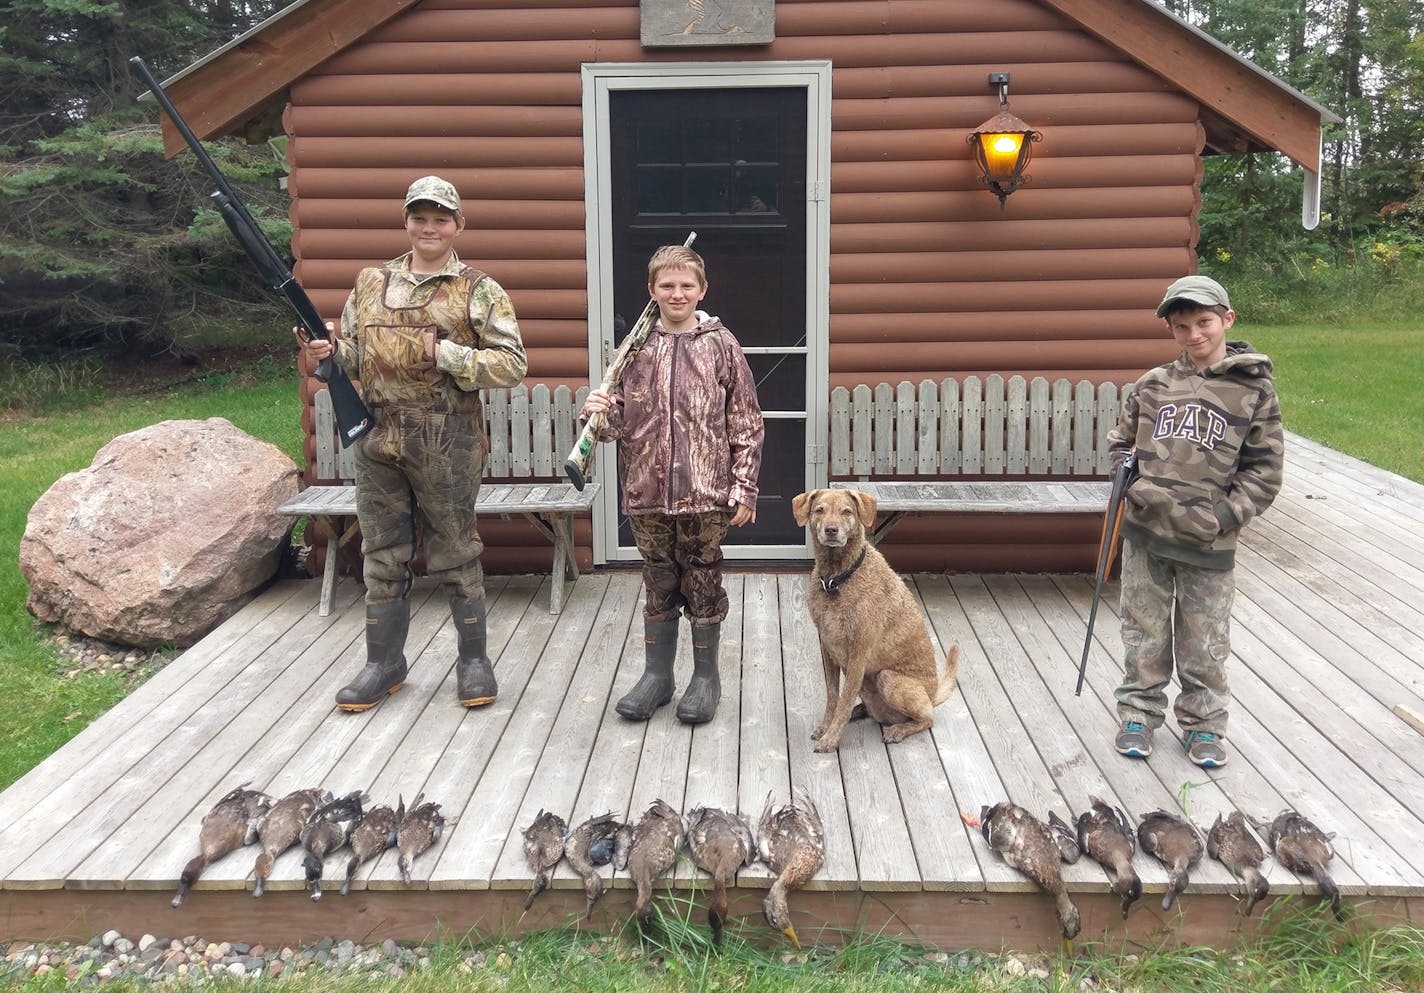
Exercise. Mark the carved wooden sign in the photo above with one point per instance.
(688, 23)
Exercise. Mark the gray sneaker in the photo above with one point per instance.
(1134, 739)
(1205, 749)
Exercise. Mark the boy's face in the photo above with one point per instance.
(1201, 333)
(678, 292)
(432, 232)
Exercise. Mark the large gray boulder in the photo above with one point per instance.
(169, 531)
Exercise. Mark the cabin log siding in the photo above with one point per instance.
(1060, 284)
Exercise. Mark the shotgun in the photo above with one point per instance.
(353, 417)
(576, 465)
(1112, 527)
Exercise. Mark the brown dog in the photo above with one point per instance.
(870, 628)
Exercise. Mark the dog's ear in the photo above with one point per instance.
(865, 506)
(801, 507)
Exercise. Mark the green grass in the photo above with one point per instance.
(1299, 951)
(1358, 389)
(40, 711)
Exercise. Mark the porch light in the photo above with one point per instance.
(1003, 145)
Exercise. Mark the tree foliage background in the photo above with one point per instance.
(105, 246)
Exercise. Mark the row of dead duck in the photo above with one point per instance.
(321, 824)
(789, 838)
(1038, 849)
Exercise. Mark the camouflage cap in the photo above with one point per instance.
(434, 189)
(1198, 289)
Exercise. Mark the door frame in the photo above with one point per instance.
(599, 79)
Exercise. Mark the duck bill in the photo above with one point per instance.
(790, 932)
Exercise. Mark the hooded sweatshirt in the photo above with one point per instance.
(688, 424)
(1210, 454)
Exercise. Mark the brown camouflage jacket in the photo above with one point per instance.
(688, 424)
(429, 340)
(1210, 454)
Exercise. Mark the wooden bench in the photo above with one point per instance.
(530, 430)
(1021, 442)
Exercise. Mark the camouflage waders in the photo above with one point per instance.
(682, 571)
(1171, 609)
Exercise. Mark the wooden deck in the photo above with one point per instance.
(1328, 669)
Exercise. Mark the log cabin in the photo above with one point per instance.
(818, 148)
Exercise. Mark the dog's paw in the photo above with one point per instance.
(817, 731)
(827, 745)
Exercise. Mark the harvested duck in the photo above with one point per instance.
(231, 824)
(372, 835)
(1174, 842)
(325, 832)
(593, 843)
(1105, 833)
(1232, 844)
(1027, 844)
(655, 842)
(792, 842)
(420, 828)
(281, 828)
(543, 847)
(1304, 849)
(721, 844)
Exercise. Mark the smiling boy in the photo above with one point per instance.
(1210, 455)
(690, 435)
(424, 333)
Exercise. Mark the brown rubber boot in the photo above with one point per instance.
(474, 676)
(385, 669)
(699, 703)
(654, 688)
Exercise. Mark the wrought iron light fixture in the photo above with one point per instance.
(1003, 145)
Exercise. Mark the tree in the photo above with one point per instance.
(103, 243)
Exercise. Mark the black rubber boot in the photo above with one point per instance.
(474, 676)
(699, 703)
(654, 688)
(385, 670)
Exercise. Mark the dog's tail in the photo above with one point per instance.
(949, 677)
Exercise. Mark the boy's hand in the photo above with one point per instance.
(742, 515)
(317, 348)
(596, 402)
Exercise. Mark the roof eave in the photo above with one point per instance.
(241, 83)
(1269, 113)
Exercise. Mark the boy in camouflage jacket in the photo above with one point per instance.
(689, 432)
(424, 333)
(1210, 454)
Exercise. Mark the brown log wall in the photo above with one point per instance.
(1061, 283)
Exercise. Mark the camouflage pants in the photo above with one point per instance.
(1174, 610)
(423, 466)
(682, 565)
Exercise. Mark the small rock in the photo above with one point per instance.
(938, 958)
(237, 969)
(257, 951)
(1039, 972)
(389, 947)
(123, 946)
(108, 938)
(274, 968)
(146, 942)
(1014, 967)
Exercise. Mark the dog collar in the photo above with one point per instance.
(834, 584)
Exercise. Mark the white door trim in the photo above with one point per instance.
(599, 79)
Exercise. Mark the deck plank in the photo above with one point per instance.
(89, 745)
